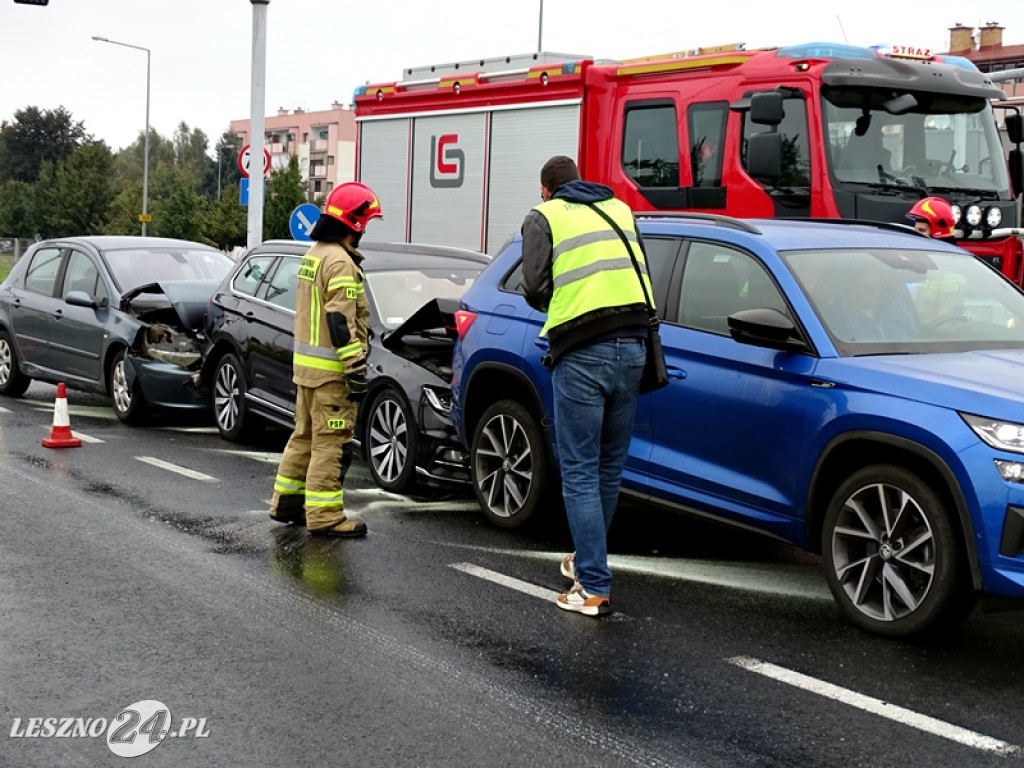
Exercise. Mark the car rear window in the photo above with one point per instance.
(398, 294)
(134, 267)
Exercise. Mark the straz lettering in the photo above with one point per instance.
(308, 267)
(911, 52)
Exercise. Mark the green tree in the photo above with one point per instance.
(180, 212)
(129, 159)
(190, 152)
(125, 209)
(21, 214)
(83, 190)
(228, 221)
(224, 166)
(35, 137)
(285, 191)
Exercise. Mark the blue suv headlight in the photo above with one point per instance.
(1002, 435)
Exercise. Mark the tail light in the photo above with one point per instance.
(463, 320)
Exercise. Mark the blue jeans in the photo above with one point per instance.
(595, 391)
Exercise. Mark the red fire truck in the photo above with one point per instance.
(819, 130)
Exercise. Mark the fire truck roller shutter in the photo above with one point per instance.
(384, 167)
(522, 140)
(448, 180)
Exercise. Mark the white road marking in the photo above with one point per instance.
(505, 581)
(261, 456)
(878, 707)
(3, 410)
(86, 438)
(781, 579)
(92, 411)
(191, 473)
(192, 430)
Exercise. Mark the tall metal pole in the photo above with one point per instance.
(257, 140)
(145, 156)
(540, 28)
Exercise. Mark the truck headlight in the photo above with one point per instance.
(993, 217)
(1002, 435)
(974, 215)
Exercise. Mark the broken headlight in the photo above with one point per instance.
(161, 342)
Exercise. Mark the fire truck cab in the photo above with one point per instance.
(809, 131)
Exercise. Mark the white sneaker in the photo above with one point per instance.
(579, 600)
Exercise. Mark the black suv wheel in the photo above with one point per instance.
(229, 406)
(391, 442)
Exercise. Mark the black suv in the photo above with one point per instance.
(404, 427)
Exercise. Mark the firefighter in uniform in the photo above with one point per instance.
(933, 217)
(329, 368)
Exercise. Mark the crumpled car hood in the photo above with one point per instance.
(436, 319)
(188, 299)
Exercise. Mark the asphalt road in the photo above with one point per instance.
(142, 567)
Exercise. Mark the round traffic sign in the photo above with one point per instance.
(244, 160)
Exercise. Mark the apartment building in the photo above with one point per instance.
(984, 46)
(324, 143)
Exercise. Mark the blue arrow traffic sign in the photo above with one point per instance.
(302, 220)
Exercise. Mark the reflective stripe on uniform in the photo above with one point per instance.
(349, 350)
(314, 316)
(289, 486)
(325, 498)
(344, 280)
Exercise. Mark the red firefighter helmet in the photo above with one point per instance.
(937, 212)
(353, 204)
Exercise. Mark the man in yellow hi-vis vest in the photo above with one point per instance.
(577, 269)
(329, 368)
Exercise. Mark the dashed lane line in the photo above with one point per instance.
(878, 707)
(190, 473)
(506, 581)
(811, 684)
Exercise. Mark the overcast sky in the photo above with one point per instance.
(318, 51)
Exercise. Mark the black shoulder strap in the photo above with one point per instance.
(629, 250)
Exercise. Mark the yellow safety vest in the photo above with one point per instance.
(329, 281)
(590, 268)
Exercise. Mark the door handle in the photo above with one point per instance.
(675, 373)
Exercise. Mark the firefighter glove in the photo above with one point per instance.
(356, 386)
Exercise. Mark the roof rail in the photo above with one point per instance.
(713, 218)
(890, 225)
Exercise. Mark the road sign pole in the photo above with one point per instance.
(257, 140)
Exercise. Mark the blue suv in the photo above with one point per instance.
(852, 388)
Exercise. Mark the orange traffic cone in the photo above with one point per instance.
(60, 435)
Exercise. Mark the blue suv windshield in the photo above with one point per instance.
(913, 301)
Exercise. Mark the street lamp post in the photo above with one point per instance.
(220, 154)
(144, 218)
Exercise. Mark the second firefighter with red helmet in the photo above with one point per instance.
(328, 368)
(933, 216)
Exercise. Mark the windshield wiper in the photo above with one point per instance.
(981, 194)
(894, 189)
